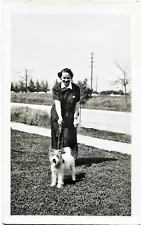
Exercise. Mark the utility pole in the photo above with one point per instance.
(91, 71)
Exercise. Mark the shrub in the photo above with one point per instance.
(30, 116)
(85, 91)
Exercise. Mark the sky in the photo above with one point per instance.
(45, 44)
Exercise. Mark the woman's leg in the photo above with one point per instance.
(70, 139)
(54, 134)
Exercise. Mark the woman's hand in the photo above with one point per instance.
(76, 122)
(60, 121)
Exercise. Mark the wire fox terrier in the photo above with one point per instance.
(60, 161)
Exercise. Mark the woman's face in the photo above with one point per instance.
(66, 78)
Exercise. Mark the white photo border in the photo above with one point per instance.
(95, 8)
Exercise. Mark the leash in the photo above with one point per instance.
(59, 134)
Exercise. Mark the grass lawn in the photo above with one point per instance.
(103, 134)
(102, 188)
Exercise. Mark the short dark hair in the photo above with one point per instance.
(65, 70)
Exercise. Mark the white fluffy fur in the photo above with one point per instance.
(61, 160)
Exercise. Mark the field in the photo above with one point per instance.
(114, 103)
(102, 188)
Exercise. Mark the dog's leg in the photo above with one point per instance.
(60, 178)
(73, 171)
(53, 177)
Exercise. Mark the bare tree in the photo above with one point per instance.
(124, 80)
(25, 78)
(25, 81)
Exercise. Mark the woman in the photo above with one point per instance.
(64, 112)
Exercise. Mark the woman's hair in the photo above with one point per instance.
(65, 70)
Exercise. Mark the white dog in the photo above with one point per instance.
(61, 160)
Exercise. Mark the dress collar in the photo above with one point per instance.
(63, 86)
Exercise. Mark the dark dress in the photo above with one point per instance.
(68, 99)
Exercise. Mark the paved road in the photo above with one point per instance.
(97, 119)
(106, 120)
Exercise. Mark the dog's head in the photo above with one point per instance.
(55, 157)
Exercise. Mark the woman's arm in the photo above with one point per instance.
(58, 110)
(76, 111)
(76, 114)
(77, 107)
(56, 97)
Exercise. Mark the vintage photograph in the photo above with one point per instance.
(70, 115)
